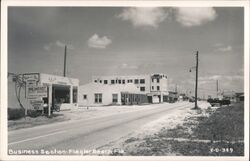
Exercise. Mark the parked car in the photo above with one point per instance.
(191, 99)
(216, 101)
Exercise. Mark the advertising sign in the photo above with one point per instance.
(31, 76)
(36, 91)
(30, 83)
(37, 104)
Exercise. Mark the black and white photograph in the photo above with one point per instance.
(125, 80)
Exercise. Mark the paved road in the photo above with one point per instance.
(87, 134)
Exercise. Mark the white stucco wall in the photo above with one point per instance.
(106, 90)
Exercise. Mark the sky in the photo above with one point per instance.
(131, 41)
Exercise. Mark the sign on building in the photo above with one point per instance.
(37, 104)
(36, 91)
(31, 76)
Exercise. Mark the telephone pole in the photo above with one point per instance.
(217, 87)
(196, 79)
(65, 61)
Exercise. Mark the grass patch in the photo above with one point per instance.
(227, 123)
(220, 134)
(35, 121)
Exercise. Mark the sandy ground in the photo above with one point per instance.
(169, 121)
(101, 111)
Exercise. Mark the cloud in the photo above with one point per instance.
(221, 77)
(138, 16)
(47, 47)
(99, 42)
(223, 48)
(58, 43)
(194, 16)
(126, 66)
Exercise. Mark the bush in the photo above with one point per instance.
(15, 113)
(34, 113)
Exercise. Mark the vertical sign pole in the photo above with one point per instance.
(71, 95)
(50, 100)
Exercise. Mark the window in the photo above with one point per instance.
(142, 81)
(123, 81)
(119, 81)
(152, 79)
(105, 81)
(152, 87)
(115, 98)
(95, 81)
(158, 88)
(85, 97)
(158, 80)
(130, 81)
(98, 98)
(136, 81)
(142, 88)
(112, 81)
(100, 81)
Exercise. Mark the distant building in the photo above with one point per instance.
(239, 97)
(172, 97)
(232, 96)
(135, 89)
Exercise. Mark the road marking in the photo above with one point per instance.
(37, 137)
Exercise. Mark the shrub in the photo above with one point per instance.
(34, 113)
(15, 113)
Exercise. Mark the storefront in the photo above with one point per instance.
(41, 89)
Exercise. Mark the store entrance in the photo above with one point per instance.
(60, 94)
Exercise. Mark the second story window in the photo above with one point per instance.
(158, 80)
(130, 81)
(142, 81)
(105, 81)
(123, 81)
(152, 87)
(136, 81)
(158, 88)
(112, 81)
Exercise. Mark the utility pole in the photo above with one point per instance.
(217, 87)
(65, 61)
(196, 79)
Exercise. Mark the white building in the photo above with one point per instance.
(136, 89)
(37, 89)
(94, 94)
